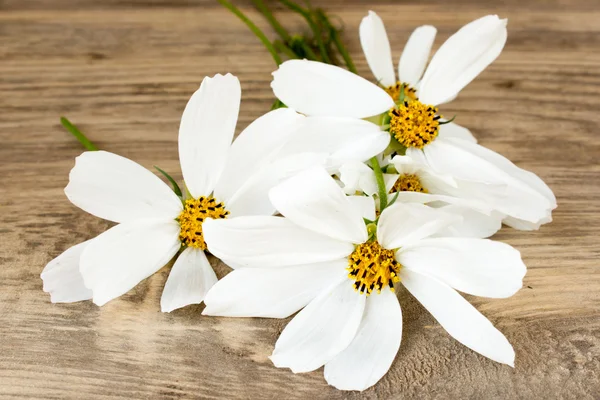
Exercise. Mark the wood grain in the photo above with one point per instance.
(123, 69)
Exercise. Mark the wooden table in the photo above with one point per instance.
(124, 69)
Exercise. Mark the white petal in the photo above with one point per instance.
(479, 267)
(403, 224)
(314, 201)
(272, 292)
(343, 139)
(376, 46)
(319, 332)
(117, 189)
(521, 225)
(406, 164)
(462, 204)
(206, 130)
(474, 223)
(491, 178)
(390, 181)
(355, 177)
(415, 54)
(62, 278)
(253, 197)
(368, 358)
(365, 205)
(254, 148)
(459, 318)
(461, 58)
(189, 280)
(316, 141)
(415, 163)
(258, 241)
(528, 178)
(120, 258)
(315, 88)
(456, 131)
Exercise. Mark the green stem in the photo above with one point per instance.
(381, 189)
(176, 187)
(329, 33)
(308, 52)
(282, 48)
(337, 40)
(254, 29)
(281, 31)
(78, 135)
(313, 26)
(342, 49)
(277, 104)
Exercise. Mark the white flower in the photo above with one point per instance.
(320, 259)
(319, 89)
(411, 181)
(458, 61)
(223, 180)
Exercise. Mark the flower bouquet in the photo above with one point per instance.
(345, 192)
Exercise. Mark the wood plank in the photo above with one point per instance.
(123, 70)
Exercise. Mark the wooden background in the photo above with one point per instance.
(124, 69)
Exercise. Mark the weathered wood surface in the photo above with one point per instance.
(123, 70)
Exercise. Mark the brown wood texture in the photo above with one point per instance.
(123, 70)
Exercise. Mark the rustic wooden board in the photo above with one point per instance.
(123, 70)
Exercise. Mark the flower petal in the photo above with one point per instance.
(254, 148)
(315, 88)
(459, 318)
(415, 55)
(403, 224)
(491, 178)
(314, 201)
(456, 131)
(369, 357)
(365, 205)
(479, 267)
(62, 278)
(474, 224)
(461, 58)
(522, 225)
(319, 332)
(117, 189)
(343, 139)
(528, 178)
(206, 130)
(315, 141)
(189, 280)
(262, 242)
(357, 177)
(445, 200)
(253, 197)
(120, 258)
(376, 46)
(272, 292)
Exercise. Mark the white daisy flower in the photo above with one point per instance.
(319, 89)
(223, 180)
(321, 258)
(409, 181)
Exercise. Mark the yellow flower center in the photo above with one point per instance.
(372, 267)
(394, 91)
(408, 183)
(414, 124)
(195, 211)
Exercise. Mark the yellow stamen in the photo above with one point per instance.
(414, 124)
(195, 211)
(394, 91)
(408, 183)
(372, 267)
